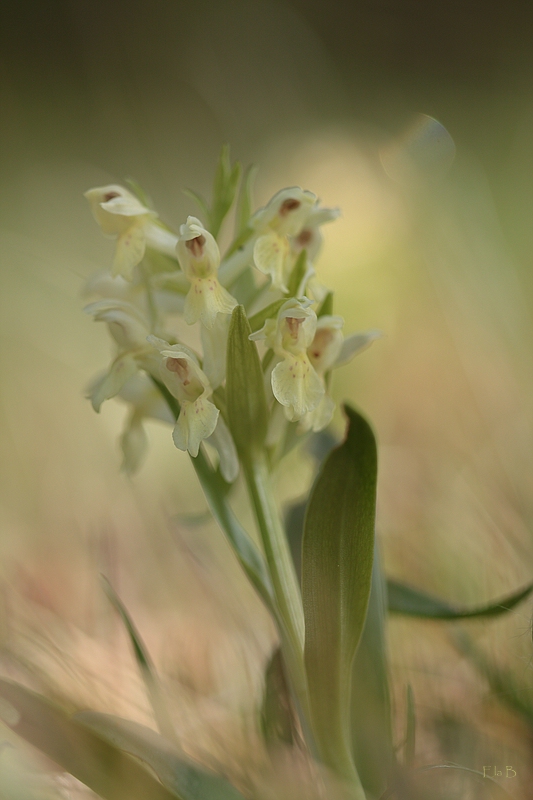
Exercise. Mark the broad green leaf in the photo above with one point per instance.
(404, 599)
(410, 729)
(144, 662)
(177, 773)
(370, 700)
(297, 274)
(101, 766)
(277, 716)
(244, 203)
(245, 390)
(326, 306)
(258, 320)
(337, 556)
(248, 554)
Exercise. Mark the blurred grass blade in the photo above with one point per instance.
(258, 320)
(404, 599)
(503, 684)
(370, 700)
(245, 391)
(144, 662)
(277, 718)
(337, 555)
(101, 766)
(297, 274)
(410, 729)
(183, 778)
(245, 201)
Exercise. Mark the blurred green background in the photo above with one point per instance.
(438, 259)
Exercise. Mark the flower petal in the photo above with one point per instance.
(319, 417)
(271, 253)
(197, 250)
(196, 422)
(126, 323)
(296, 386)
(121, 370)
(222, 441)
(126, 205)
(214, 346)
(113, 207)
(129, 251)
(355, 343)
(286, 211)
(141, 392)
(206, 299)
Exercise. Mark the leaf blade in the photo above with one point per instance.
(245, 390)
(405, 599)
(178, 774)
(144, 662)
(337, 556)
(370, 703)
(99, 765)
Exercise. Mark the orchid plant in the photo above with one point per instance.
(258, 388)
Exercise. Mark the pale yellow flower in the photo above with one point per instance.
(283, 216)
(327, 350)
(295, 383)
(199, 418)
(122, 216)
(199, 258)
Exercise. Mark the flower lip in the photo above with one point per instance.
(110, 196)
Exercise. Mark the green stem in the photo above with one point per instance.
(276, 548)
(283, 577)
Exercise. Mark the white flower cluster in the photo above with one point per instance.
(157, 276)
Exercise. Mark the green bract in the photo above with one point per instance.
(245, 391)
